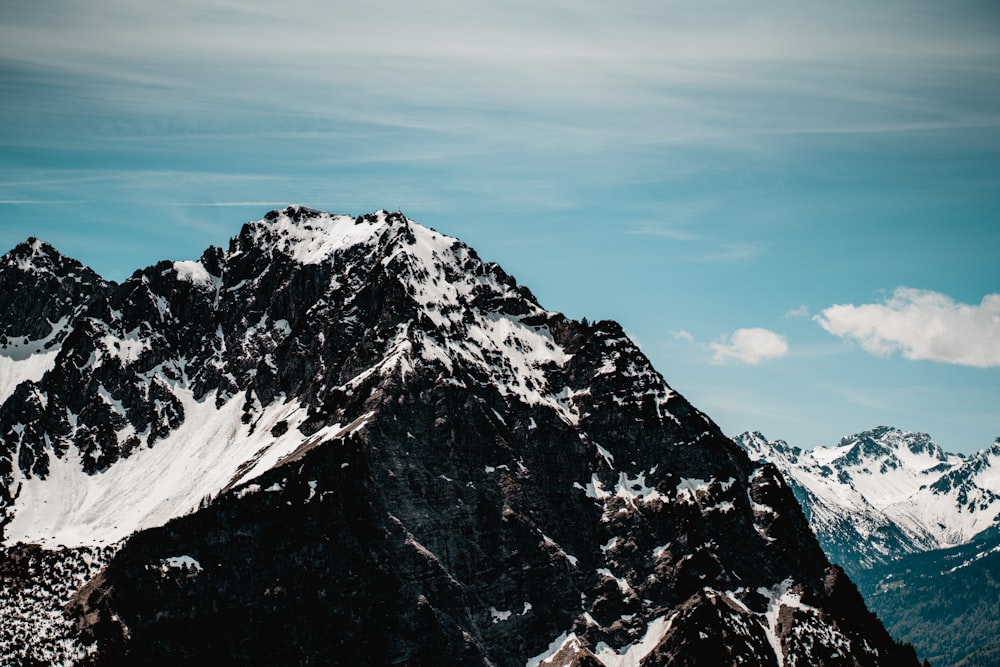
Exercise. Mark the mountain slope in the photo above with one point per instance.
(885, 493)
(946, 602)
(349, 440)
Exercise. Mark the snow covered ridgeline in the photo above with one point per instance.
(896, 492)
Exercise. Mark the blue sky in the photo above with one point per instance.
(717, 176)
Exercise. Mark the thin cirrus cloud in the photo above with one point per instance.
(751, 346)
(660, 68)
(922, 325)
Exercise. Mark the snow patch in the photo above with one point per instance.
(594, 488)
(545, 657)
(632, 654)
(623, 585)
(635, 489)
(606, 455)
(499, 616)
(210, 451)
(23, 360)
(690, 488)
(181, 562)
(14, 371)
(195, 272)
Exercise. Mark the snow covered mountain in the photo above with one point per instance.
(884, 493)
(350, 441)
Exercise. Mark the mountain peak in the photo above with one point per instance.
(758, 446)
(35, 256)
(347, 408)
(890, 443)
(41, 292)
(306, 235)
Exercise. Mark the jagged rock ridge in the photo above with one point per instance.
(350, 441)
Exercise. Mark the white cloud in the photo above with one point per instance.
(749, 346)
(922, 325)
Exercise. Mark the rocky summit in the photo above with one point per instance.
(351, 441)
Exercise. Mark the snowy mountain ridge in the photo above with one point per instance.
(883, 493)
(232, 452)
(79, 510)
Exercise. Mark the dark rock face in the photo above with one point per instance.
(479, 481)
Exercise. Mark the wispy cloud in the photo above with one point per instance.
(40, 202)
(922, 324)
(684, 335)
(226, 204)
(732, 252)
(700, 247)
(636, 73)
(671, 233)
(865, 398)
(520, 107)
(752, 406)
(800, 312)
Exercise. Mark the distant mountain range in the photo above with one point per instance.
(879, 495)
(915, 526)
(348, 440)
